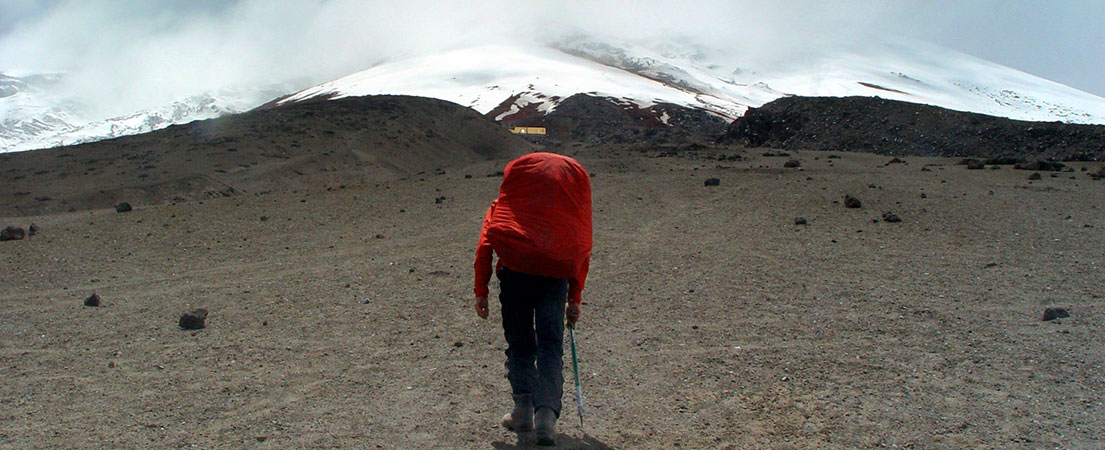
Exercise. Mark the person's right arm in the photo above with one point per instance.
(483, 265)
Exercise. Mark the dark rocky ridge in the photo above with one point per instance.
(320, 143)
(602, 120)
(872, 124)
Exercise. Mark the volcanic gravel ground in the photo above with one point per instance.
(343, 318)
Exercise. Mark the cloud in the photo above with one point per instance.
(123, 55)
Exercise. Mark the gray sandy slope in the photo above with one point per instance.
(342, 317)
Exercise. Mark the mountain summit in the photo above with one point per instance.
(515, 81)
(508, 79)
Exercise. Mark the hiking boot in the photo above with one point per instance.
(546, 427)
(520, 420)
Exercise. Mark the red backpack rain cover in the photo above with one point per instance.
(541, 222)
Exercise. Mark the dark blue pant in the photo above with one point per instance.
(533, 322)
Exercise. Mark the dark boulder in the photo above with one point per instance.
(800, 221)
(1035, 176)
(123, 207)
(712, 182)
(11, 234)
(975, 164)
(32, 230)
(852, 202)
(92, 300)
(792, 164)
(1045, 166)
(1003, 161)
(891, 217)
(194, 320)
(1055, 313)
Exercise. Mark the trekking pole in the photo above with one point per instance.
(575, 369)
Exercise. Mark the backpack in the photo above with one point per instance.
(541, 222)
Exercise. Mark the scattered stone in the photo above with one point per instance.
(32, 230)
(194, 320)
(776, 154)
(379, 236)
(891, 217)
(92, 300)
(458, 344)
(896, 160)
(800, 221)
(712, 182)
(833, 157)
(852, 202)
(123, 207)
(11, 234)
(1055, 313)
(1035, 176)
(924, 195)
(1003, 161)
(792, 164)
(975, 164)
(926, 169)
(467, 176)
(439, 200)
(1043, 166)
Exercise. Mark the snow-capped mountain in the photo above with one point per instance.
(36, 113)
(510, 78)
(713, 80)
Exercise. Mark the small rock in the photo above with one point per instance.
(458, 344)
(439, 200)
(32, 230)
(800, 221)
(1055, 313)
(891, 217)
(852, 202)
(1035, 176)
(975, 164)
(379, 236)
(194, 320)
(924, 195)
(712, 182)
(123, 207)
(926, 169)
(11, 234)
(1045, 166)
(792, 164)
(896, 161)
(92, 300)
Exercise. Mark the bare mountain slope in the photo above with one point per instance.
(900, 128)
(323, 143)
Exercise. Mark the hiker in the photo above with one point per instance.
(540, 228)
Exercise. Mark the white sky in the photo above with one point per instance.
(156, 50)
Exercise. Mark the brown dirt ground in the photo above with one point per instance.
(711, 320)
